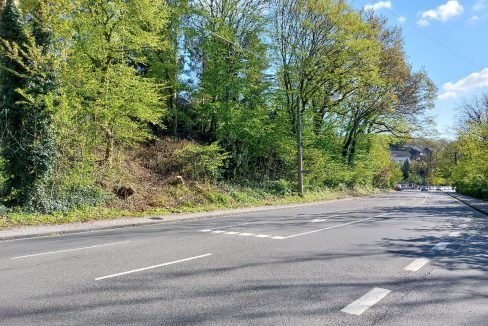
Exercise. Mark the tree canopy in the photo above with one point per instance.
(107, 80)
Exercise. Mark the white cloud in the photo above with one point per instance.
(473, 19)
(442, 13)
(447, 95)
(378, 5)
(474, 81)
(402, 19)
(480, 5)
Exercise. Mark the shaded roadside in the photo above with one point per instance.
(477, 204)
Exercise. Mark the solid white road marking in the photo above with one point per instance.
(329, 228)
(263, 236)
(455, 234)
(231, 233)
(68, 250)
(318, 220)
(417, 264)
(441, 246)
(304, 233)
(366, 301)
(151, 267)
(463, 226)
(206, 230)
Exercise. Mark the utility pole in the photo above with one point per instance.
(299, 148)
(333, 97)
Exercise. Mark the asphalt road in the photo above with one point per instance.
(409, 258)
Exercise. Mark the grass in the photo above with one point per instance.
(184, 199)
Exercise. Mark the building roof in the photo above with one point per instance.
(400, 154)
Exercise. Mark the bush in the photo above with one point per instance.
(281, 187)
(48, 201)
(199, 162)
(4, 210)
(475, 186)
(189, 159)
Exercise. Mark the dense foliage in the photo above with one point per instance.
(464, 162)
(99, 95)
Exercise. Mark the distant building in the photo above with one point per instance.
(417, 153)
(400, 156)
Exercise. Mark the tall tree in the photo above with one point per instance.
(395, 102)
(406, 170)
(104, 78)
(229, 60)
(35, 83)
(12, 77)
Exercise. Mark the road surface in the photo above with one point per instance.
(409, 258)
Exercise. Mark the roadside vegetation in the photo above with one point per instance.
(464, 161)
(126, 108)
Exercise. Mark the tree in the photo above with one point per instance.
(406, 170)
(103, 78)
(470, 150)
(395, 102)
(13, 76)
(30, 84)
(228, 59)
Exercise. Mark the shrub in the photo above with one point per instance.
(189, 159)
(47, 201)
(199, 162)
(281, 187)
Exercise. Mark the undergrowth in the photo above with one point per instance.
(184, 199)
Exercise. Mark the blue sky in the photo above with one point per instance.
(449, 39)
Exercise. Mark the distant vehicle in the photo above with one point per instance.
(398, 188)
(438, 189)
(424, 189)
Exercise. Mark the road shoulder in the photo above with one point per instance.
(476, 204)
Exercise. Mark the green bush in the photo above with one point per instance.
(189, 159)
(281, 187)
(475, 186)
(199, 162)
(47, 201)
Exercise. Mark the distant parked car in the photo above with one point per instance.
(424, 189)
(398, 188)
(438, 189)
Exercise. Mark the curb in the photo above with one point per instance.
(482, 211)
(157, 220)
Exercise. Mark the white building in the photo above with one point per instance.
(400, 156)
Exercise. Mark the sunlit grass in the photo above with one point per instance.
(202, 200)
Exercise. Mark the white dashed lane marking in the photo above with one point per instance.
(441, 246)
(417, 264)
(220, 230)
(244, 234)
(366, 301)
(69, 250)
(151, 267)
